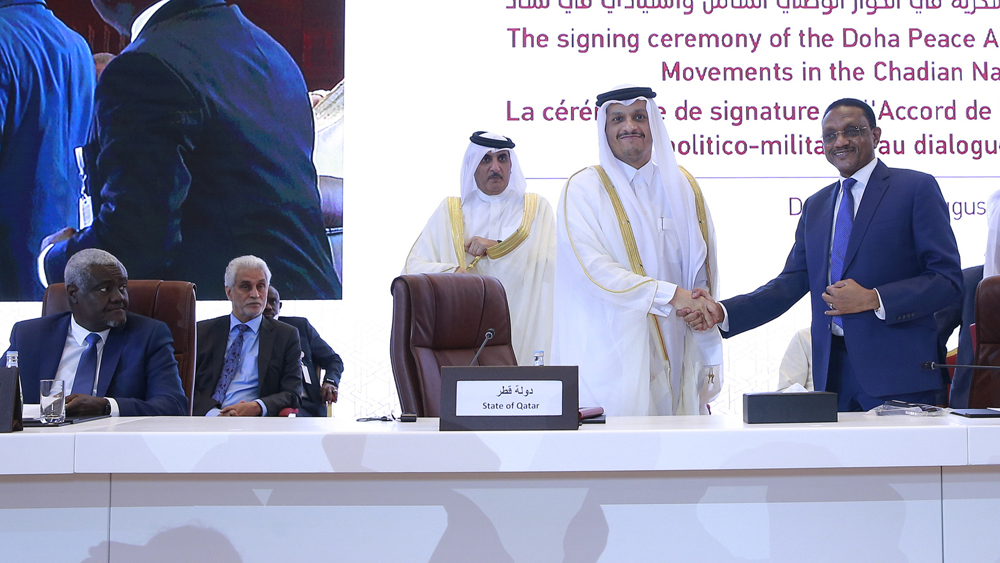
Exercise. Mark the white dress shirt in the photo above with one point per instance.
(76, 344)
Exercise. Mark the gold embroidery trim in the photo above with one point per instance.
(457, 228)
(520, 235)
(577, 254)
(699, 204)
(630, 246)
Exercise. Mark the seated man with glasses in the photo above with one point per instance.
(878, 257)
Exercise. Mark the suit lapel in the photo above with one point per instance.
(110, 357)
(265, 344)
(217, 342)
(877, 185)
(822, 230)
(54, 339)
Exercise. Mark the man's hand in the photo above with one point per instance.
(717, 312)
(700, 312)
(461, 270)
(846, 297)
(477, 246)
(329, 392)
(79, 404)
(64, 234)
(242, 408)
(709, 315)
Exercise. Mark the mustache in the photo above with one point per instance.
(625, 133)
(495, 175)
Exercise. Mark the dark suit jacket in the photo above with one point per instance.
(902, 245)
(961, 316)
(316, 354)
(279, 377)
(46, 101)
(202, 151)
(138, 369)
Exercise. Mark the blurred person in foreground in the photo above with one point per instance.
(201, 150)
(46, 102)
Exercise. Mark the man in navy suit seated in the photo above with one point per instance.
(316, 354)
(112, 361)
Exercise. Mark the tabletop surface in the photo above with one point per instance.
(326, 445)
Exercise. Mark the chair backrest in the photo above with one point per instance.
(172, 302)
(441, 320)
(985, 389)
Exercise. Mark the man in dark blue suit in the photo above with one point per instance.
(201, 150)
(112, 362)
(318, 388)
(46, 101)
(875, 279)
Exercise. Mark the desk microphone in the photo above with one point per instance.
(489, 335)
(935, 365)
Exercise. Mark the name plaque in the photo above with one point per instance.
(509, 398)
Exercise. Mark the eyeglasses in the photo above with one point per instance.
(849, 133)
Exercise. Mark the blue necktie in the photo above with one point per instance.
(841, 236)
(86, 372)
(231, 364)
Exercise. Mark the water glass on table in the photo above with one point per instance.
(52, 401)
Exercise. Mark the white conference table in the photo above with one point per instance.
(690, 489)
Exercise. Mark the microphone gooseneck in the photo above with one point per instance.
(935, 365)
(489, 334)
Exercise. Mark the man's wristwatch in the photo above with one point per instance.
(107, 407)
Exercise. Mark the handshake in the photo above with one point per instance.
(699, 310)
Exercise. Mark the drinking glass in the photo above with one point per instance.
(52, 401)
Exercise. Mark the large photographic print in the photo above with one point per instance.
(196, 145)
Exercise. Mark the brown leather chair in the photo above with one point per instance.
(172, 302)
(441, 320)
(985, 389)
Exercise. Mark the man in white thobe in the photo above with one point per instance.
(497, 230)
(634, 237)
(796, 364)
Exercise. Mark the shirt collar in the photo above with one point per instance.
(494, 198)
(141, 21)
(864, 174)
(646, 172)
(80, 334)
(253, 323)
